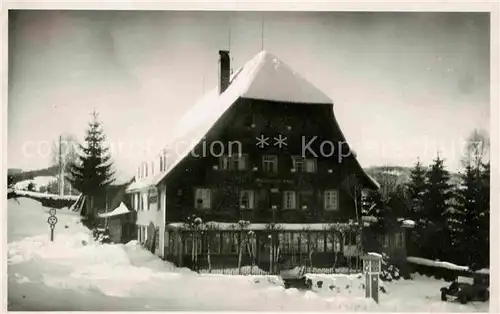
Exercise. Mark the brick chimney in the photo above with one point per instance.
(225, 66)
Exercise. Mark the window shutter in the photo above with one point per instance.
(321, 200)
(243, 162)
(207, 191)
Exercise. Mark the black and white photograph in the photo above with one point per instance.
(250, 160)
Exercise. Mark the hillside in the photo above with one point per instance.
(402, 173)
(31, 174)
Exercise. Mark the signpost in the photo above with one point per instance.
(52, 220)
(371, 268)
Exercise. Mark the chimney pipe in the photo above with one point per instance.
(225, 66)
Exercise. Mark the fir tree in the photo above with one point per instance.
(465, 197)
(436, 240)
(471, 221)
(377, 203)
(416, 190)
(484, 216)
(92, 172)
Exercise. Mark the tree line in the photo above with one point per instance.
(451, 218)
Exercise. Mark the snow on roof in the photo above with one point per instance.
(145, 183)
(372, 180)
(120, 210)
(121, 178)
(264, 77)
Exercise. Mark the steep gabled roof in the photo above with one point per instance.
(264, 77)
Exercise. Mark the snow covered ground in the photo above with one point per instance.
(73, 273)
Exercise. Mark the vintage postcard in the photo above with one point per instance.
(250, 160)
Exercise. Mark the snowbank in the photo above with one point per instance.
(484, 271)
(428, 262)
(104, 276)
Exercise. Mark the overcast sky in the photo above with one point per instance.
(405, 85)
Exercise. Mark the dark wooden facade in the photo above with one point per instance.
(244, 122)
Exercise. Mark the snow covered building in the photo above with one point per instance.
(264, 148)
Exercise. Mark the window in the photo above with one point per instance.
(305, 199)
(301, 164)
(160, 196)
(234, 162)
(246, 199)
(270, 163)
(332, 200)
(145, 205)
(304, 239)
(350, 238)
(321, 242)
(135, 197)
(202, 199)
(385, 240)
(298, 163)
(399, 239)
(141, 201)
(229, 242)
(289, 200)
(214, 239)
(313, 241)
(294, 245)
(330, 239)
(310, 165)
(286, 242)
